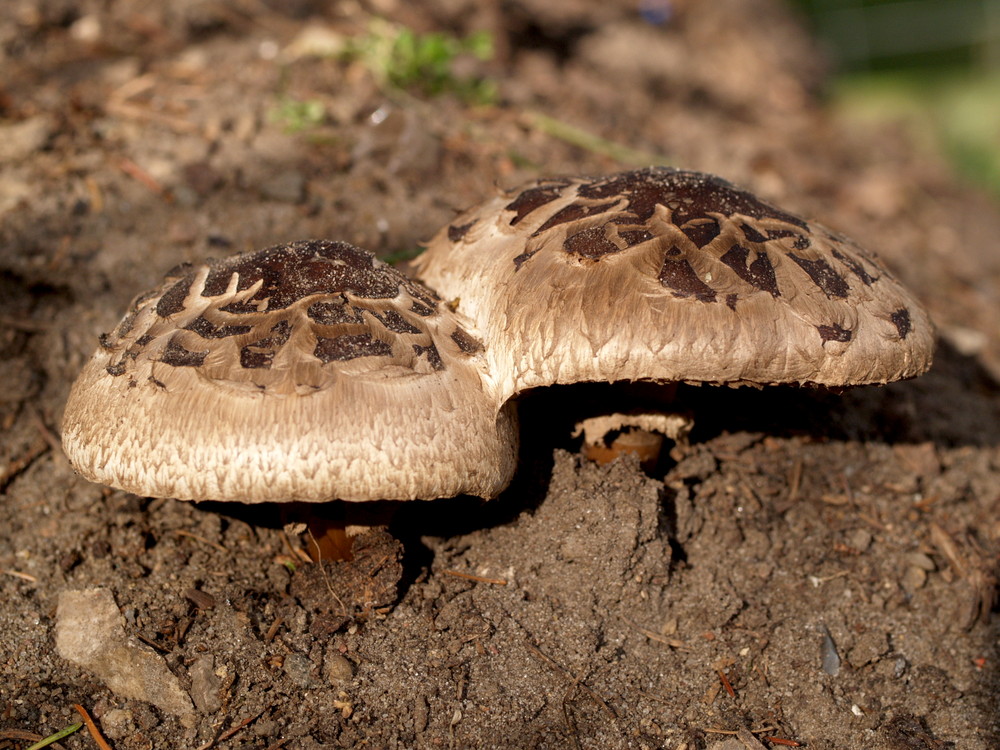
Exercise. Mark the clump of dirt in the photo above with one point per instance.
(811, 566)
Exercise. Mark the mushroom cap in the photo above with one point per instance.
(669, 275)
(309, 371)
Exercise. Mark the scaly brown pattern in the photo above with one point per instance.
(292, 316)
(661, 273)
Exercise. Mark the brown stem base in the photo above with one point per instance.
(646, 445)
(329, 540)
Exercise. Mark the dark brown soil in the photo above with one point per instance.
(606, 608)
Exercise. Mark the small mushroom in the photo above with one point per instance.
(608, 436)
(309, 372)
(670, 276)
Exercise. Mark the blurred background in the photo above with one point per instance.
(933, 63)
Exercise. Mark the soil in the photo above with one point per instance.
(811, 567)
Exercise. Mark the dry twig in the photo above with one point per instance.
(273, 630)
(95, 733)
(141, 176)
(971, 564)
(783, 741)
(654, 636)
(18, 574)
(726, 684)
(49, 742)
(232, 730)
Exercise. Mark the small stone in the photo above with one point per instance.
(921, 459)
(859, 539)
(299, 670)
(967, 341)
(90, 632)
(922, 561)
(829, 658)
(338, 669)
(913, 579)
(185, 197)
(117, 723)
(205, 685)
(899, 667)
(86, 29)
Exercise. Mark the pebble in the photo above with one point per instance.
(338, 669)
(117, 723)
(90, 632)
(205, 685)
(859, 539)
(829, 658)
(968, 341)
(899, 667)
(922, 561)
(913, 579)
(87, 29)
(279, 577)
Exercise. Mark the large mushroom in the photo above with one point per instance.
(313, 372)
(309, 372)
(670, 276)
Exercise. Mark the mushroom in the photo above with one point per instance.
(608, 436)
(304, 372)
(671, 276)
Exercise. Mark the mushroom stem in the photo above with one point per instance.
(608, 436)
(332, 527)
(646, 445)
(644, 440)
(329, 540)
